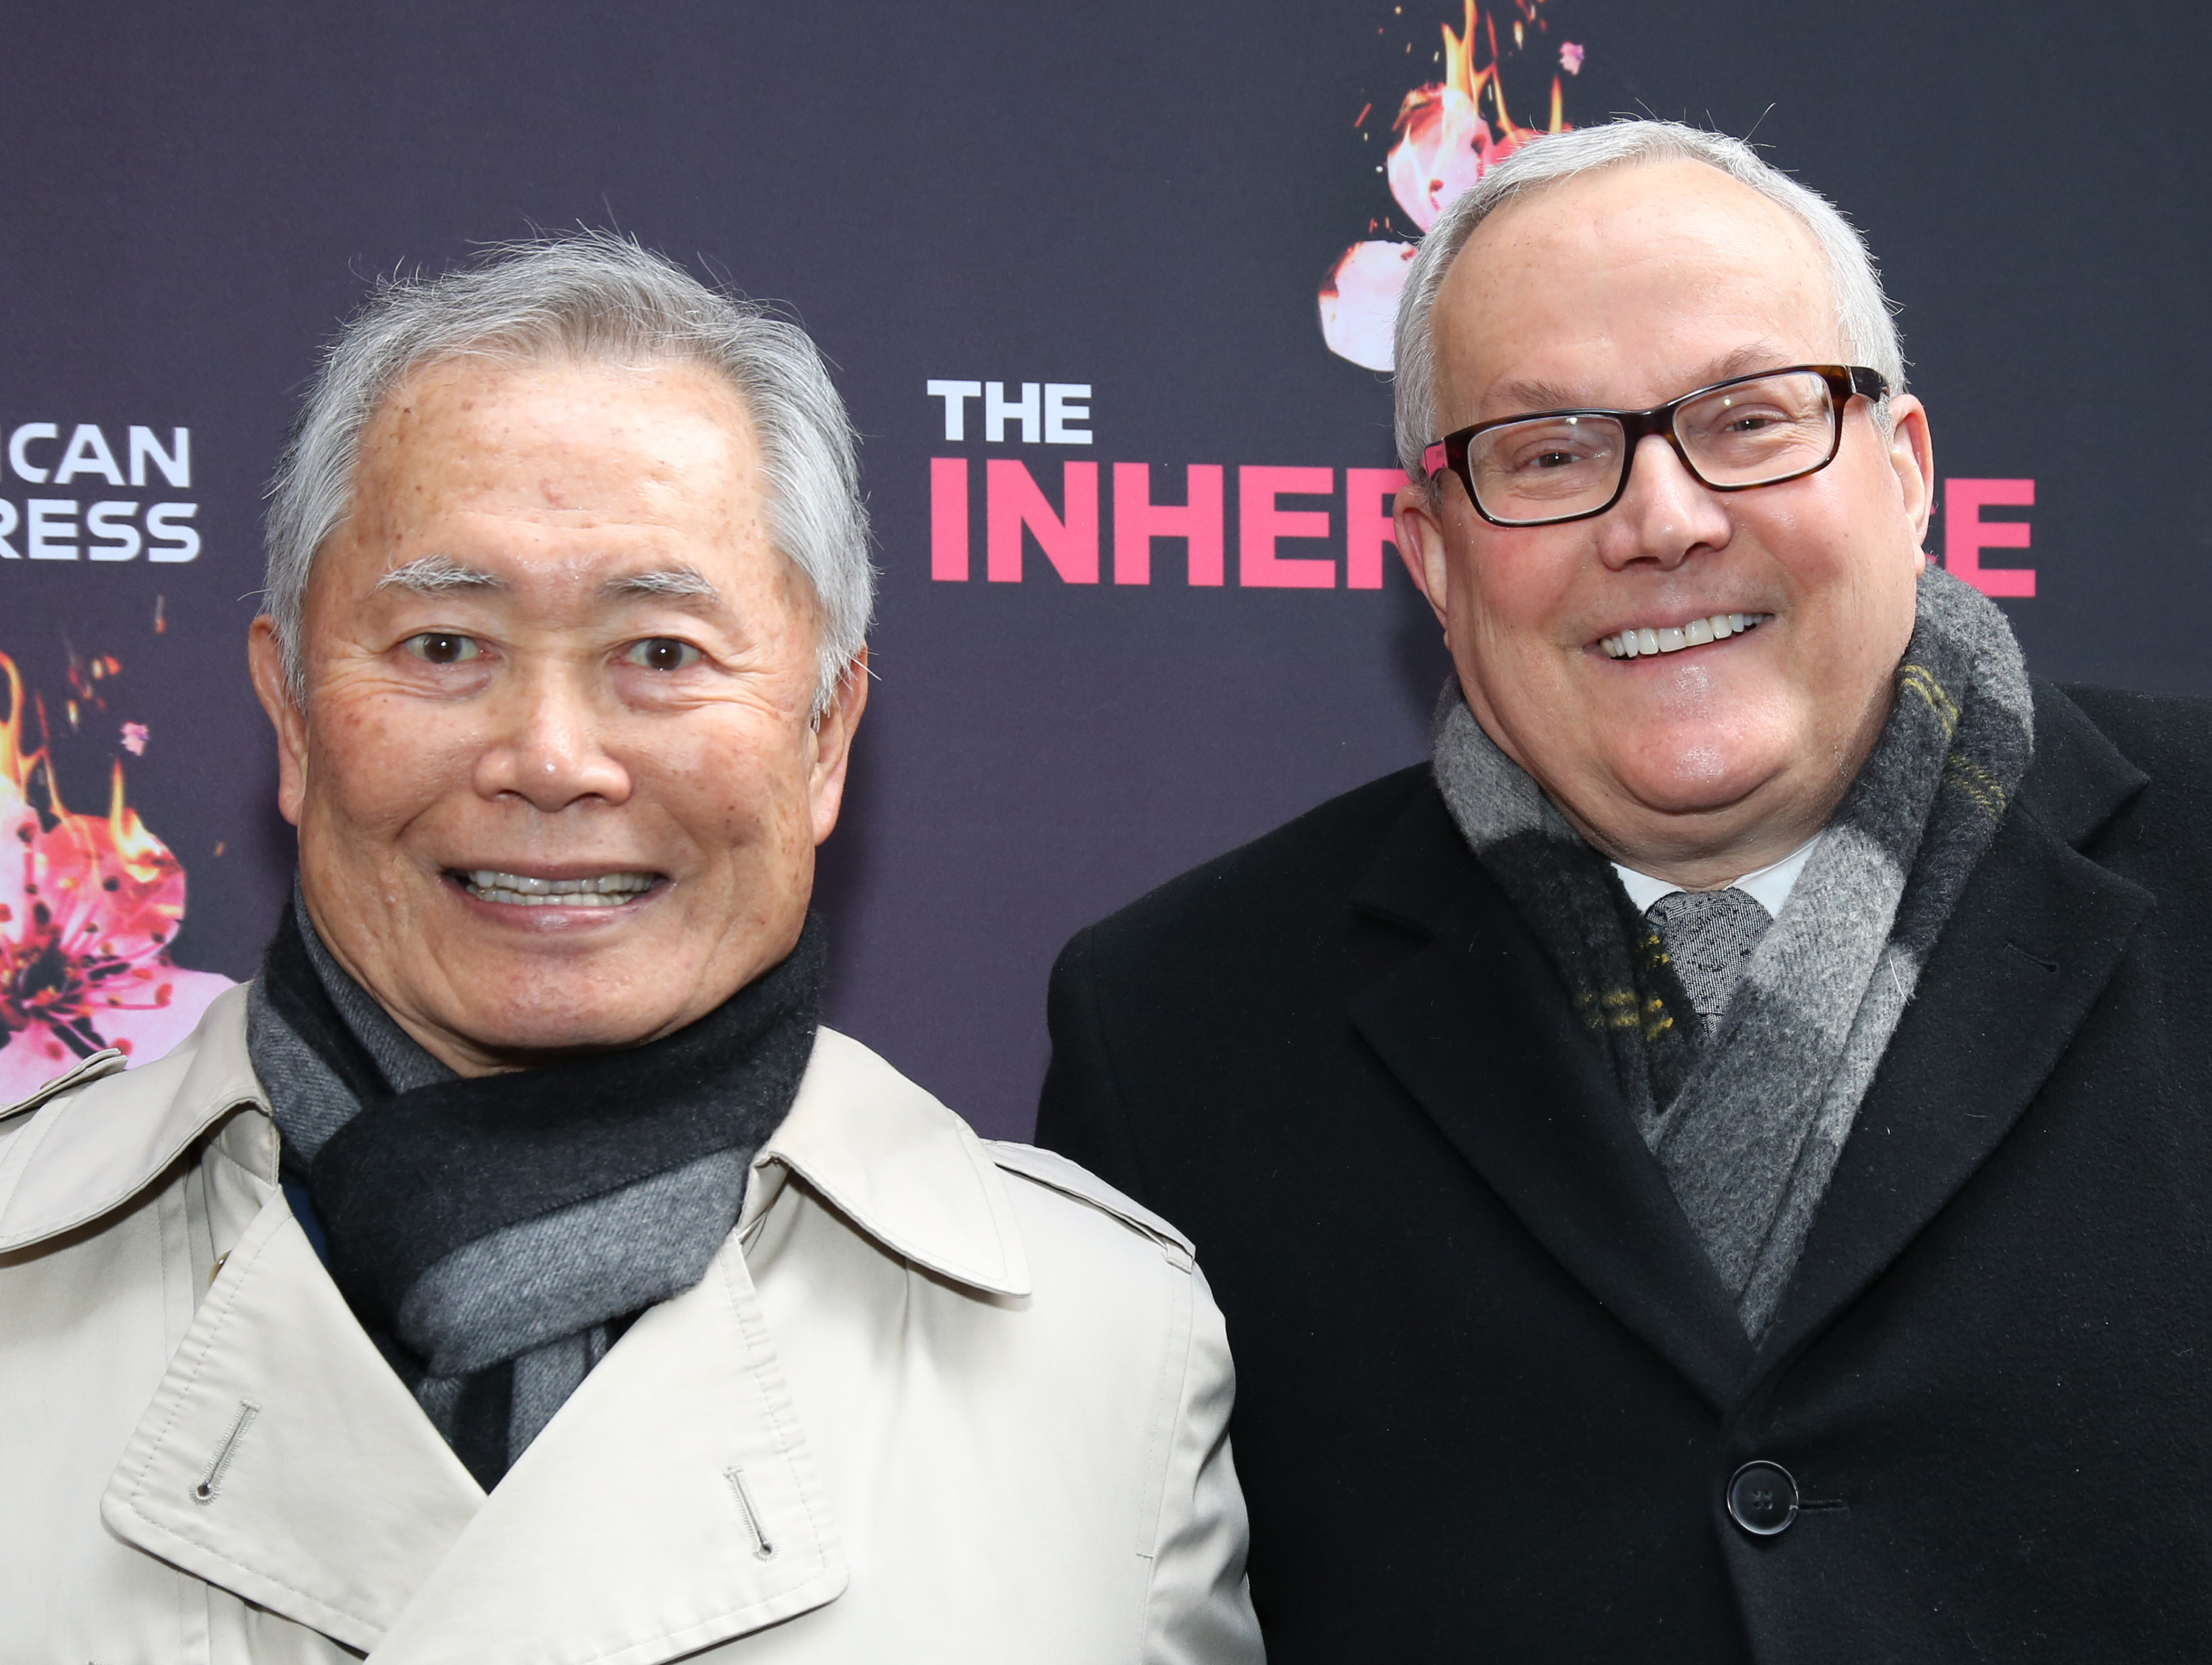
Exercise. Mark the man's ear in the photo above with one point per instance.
(833, 744)
(1912, 456)
(264, 660)
(1421, 545)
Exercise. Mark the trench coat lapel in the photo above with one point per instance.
(2035, 938)
(1477, 1027)
(672, 1505)
(282, 1460)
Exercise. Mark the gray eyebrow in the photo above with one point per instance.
(1514, 397)
(432, 574)
(665, 584)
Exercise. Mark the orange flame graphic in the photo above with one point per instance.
(87, 914)
(1445, 144)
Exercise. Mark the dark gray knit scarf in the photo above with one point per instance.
(1748, 1120)
(494, 1235)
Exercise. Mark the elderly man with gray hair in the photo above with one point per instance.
(1713, 1164)
(517, 1270)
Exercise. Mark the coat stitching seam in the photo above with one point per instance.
(1185, 1298)
(55, 1104)
(775, 1421)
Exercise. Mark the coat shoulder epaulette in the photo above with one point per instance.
(104, 1062)
(1057, 1173)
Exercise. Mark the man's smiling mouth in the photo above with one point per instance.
(517, 891)
(1674, 638)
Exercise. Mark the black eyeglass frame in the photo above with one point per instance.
(1844, 380)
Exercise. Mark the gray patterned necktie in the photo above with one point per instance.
(1709, 934)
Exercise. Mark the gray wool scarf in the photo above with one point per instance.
(1748, 1114)
(495, 1235)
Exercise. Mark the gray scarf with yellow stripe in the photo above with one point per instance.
(1748, 1114)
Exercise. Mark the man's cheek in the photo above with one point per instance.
(383, 775)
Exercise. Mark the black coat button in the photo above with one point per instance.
(1762, 1499)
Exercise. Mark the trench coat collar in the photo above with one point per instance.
(896, 1164)
(86, 1152)
(891, 1158)
(672, 1505)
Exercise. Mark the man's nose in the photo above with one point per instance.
(550, 747)
(1666, 514)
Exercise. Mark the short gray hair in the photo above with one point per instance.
(1862, 314)
(591, 297)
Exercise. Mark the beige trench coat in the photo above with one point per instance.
(935, 1400)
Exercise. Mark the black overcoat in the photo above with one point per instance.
(1490, 1392)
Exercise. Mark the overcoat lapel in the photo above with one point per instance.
(2034, 940)
(672, 1503)
(281, 1459)
(1477, 1027)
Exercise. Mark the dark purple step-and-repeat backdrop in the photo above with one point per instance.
(1107, 288)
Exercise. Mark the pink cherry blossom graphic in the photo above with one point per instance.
(1447, 140)
(89, 905)
(1359, 301)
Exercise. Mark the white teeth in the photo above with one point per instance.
(1672, 638)
(516, 890)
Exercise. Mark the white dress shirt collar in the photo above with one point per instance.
(1770, 886)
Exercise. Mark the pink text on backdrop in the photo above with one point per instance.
(1138, 520)
(1014, 504)
(1018, 510)
(1966, 534)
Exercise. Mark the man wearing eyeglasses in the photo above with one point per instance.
(1712, 1166)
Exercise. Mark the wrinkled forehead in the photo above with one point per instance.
(563, 443)
(1627, 286)
(572, 481)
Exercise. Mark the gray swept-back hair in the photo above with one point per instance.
(1862, 314)
(591, 297)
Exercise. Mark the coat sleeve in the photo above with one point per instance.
(1080, 1114)
(1199, 1609)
